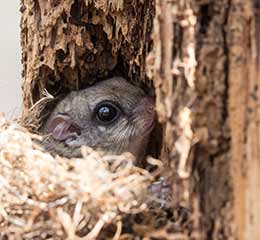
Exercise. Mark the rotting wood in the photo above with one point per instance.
(212, 176)
(172, 65)
(244, 80)
(67, 45)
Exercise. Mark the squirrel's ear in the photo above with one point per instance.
(61, 127)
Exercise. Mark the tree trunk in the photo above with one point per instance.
(203, 58)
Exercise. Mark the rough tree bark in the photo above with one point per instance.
(203, 58)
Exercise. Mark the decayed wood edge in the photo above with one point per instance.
(211, 174)
(244, 79)
(173, 72)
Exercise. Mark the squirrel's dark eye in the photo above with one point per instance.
(106, 112)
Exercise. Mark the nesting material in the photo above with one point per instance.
(46, 197)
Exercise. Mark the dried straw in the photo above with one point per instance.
(46, 197)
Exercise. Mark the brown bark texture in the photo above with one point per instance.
(67, 45)
(203, 60)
